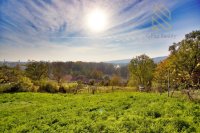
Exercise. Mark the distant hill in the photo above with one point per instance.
(126, 61)
(122, 62)
(159, 59)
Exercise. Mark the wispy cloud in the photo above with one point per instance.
(56, 30)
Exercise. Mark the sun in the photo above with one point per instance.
(97, 20)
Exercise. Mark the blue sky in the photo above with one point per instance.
(55, 30)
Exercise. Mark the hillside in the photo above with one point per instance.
(126, 61)
(112, 112)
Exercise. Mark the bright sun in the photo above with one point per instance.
(97, 20)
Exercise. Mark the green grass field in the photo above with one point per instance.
(105, 112)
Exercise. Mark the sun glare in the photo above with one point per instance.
(97, 20)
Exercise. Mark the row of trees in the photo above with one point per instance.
(60, 71)
(51, 77)
(181, 70)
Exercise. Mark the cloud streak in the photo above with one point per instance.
(44, 25)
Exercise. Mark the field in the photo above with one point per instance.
(104, 112)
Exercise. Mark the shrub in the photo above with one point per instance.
(25, 85)
(8, 87)
(62, 89)
(68, 87)
(48, 86)
(115, 80)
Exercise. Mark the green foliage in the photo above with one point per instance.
(141, 71)
(48, 86)
(58, 71)
(115, 80)
(9, 75)
(25, 85)
(183, 64)
(111, 112)
(188, 53)
(68, 87)
(8, 87)
(96, 74)
(188, 58)
(91, 70)
(13, 80)
(37, 70)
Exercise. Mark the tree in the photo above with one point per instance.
(160, 75)
(106, 80)
(141, 71)
(165, 74)
(124, 71)
(115, 80)
(9, 75)
(13, 80)
(187, 58)
(37, 70)
(182, 65)
(58, 71)
(95, 74)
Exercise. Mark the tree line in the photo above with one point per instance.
(179, 71)
(60, 76)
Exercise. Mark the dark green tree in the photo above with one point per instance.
(141, 71)
(37, 70)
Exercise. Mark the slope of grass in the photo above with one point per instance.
(110, 112)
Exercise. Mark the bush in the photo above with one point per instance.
(68, 87)
(48, 86)
(25, 85)
(115, 80)
(8, 87)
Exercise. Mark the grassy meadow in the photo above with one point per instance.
(103, 112)
(99, 66)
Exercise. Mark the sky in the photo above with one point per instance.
(57, 30)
